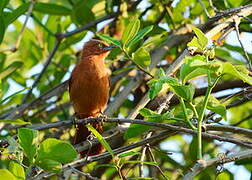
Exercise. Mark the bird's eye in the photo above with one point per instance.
(100, 45)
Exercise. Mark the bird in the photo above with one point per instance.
(89, 87)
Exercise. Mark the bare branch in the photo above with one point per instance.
(202, 164)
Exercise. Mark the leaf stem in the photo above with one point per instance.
(201, 115)
(186, 115)
(139, 67)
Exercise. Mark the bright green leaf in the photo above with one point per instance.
(144, 162)
(184, 91)
(126, 154)
(200, 41)
(28, 141)
(49, 165)
(155, 89)
(237, 72)
(130, 31)
(17, 170)
(56, 150)
(101, 139)
(5, 174)
(109, 40)
(14, 121)
(142, 57)
(53, 9)
(139, 36)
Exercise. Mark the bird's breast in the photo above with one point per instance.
(89, 88)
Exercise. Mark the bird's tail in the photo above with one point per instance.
(82, 134)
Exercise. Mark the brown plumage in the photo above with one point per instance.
(89, 88)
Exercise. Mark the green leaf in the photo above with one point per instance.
(2, 30)
(101, 139)
(155, 89)
(16, 13)
(201, 41)
(197, 65)
(5, 174)
(2, 101)
(10, 69)
(56, 150)
(239, 72)
(126, 154)
(53, 9)
(130, 31)
(82, 17)
(49, 165)
(14, 121)
(109, 39)
(17, 170)
(135, 130)
(3, 4)
(28, 141)
(144, 162)
(141, 57)
(214, 105)
(184, 91)
(139, 36)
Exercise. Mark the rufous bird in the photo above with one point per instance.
(89, 89)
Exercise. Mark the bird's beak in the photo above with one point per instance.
(109, 48)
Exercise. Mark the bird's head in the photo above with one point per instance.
(96, 47)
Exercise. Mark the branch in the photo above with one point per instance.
(48, 61)
(178, 128)
(202, 164)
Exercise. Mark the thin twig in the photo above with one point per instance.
(86, 175)
(48, 61)
(239, 39)
(201, 165)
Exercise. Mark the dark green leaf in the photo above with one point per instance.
(9, 97)
(139, 36)
(53, 9)
(101, 139)
(135, 130)
(2, 29)
(28, 141)
(142, 57)
(109, 39)
(82, 17)
(130, 31)
(10, 69)
(56, 150)
(17, 170)
(3, 4)
(16, 13)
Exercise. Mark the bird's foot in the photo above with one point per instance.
(74, 120)
(103, 117)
